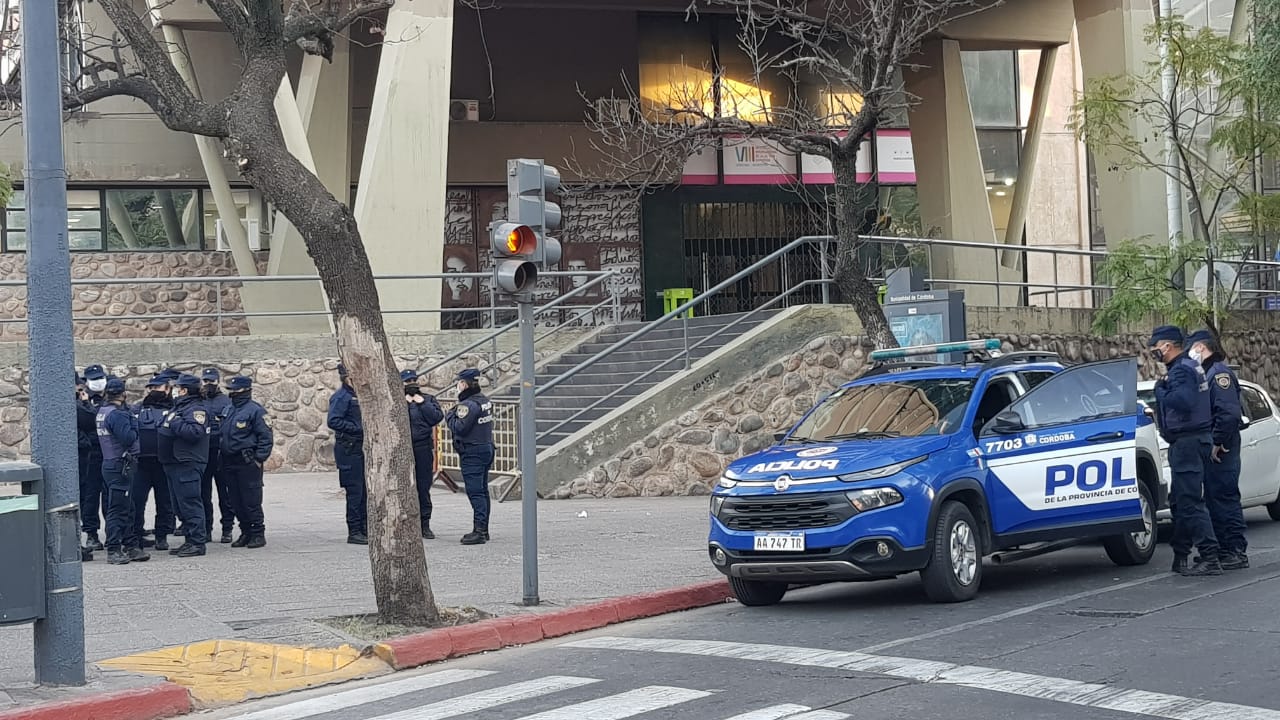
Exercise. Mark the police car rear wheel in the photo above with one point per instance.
(1274, 510)
(1136, 548)
(955, 568)
(755, 593)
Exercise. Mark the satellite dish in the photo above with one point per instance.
(1228, 281)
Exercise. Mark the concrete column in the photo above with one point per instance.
(1027, 160)
(949, 174)
(401, 198)
(1110, 33)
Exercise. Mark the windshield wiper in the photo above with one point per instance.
(865, 434)
(802, 440)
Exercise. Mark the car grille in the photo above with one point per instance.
(786, 513)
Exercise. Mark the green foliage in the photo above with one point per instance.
(1262, 62)
(1142, 274)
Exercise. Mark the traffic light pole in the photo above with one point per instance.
(59, 635)
(528, 444)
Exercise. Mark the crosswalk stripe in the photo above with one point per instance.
(486, 699)
(1074, 692)
(789, 712)
(364, 695)
(622, 705)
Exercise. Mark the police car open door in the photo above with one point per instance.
(1065, 453)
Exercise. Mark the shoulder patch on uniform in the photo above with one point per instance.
(1224, 381)
(463, 411)
(199, 416)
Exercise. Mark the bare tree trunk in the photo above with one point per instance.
(851, 283)
(328, 227)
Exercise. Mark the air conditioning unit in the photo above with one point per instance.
(251, 228)
(613, 110)
(464, 110)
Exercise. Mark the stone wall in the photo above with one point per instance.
(95, 306)
(686, 455)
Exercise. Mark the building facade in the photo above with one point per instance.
(415, 116)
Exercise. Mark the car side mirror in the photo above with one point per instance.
(1245, 422)
(778, 436)
(1007, 423)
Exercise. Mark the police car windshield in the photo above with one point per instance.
(902, 408)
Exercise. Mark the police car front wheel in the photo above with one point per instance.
(1136, 548)
(955, 565)
(757, 592)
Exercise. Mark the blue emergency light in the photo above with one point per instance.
(989, 344)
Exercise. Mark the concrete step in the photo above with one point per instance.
(573, 390)
(567, 428)
(669, 332)
(558, 414)
(561, 402)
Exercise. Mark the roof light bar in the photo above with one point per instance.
(938, 349)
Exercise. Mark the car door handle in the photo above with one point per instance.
(1105, 436)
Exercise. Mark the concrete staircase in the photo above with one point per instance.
(622, 366)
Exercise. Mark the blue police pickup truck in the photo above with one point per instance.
(926, 467)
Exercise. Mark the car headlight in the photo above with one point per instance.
(716, 502)
(882, 472)
(727, 482)
(872, 498)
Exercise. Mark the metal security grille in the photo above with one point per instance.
(722, 239)
(505, 453)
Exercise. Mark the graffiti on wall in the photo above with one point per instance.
(601, 231)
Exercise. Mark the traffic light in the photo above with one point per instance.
(512, 246)
(528, 184)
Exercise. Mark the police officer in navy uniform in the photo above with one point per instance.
(149, 477)
(348, 454)
(117, 431)
(217, 405)
(1222, 478)
(184, 449)
(1186, 422)
(471, 422)
(424, 415)
(92, 499)
(247, 440)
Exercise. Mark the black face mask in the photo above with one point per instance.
(240, 397)
(209, 389)
(157, 396)
(412, 390)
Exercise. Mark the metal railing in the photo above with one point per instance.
(506, 415)
(685, 354)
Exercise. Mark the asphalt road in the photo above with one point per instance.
(1066, 635)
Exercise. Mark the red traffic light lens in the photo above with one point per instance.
(521, 240)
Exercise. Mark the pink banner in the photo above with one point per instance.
(895, 160)
(752, 161)
(816, 170)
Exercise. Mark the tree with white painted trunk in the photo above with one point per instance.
(128, 60)
(849, 53)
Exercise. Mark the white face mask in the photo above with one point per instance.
(177, 393)
(97, 385)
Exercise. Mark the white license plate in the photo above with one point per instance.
(780, 542)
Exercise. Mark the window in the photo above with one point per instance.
(991, 80)
(15, 223)
(907, 408)
(1000, 393)
(1034, 377)
(84, 219)
(252, 210)
(1081, 394)
(1256, 406)
(153, 219)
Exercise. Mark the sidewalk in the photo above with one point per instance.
(308, 572)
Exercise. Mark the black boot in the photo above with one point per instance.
(162, 543)
(190, 550)
(1179, 564)
(478, 536)
(1203, 568)
(1233, 561)
(357, 538)
(241, 541)
(180, 548)
(92, 542)
(86, 555)
(226, 537)
(256, 541)
(427, 534)
(137, 554)
(117, 556)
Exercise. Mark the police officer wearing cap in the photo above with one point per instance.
(247, 440)
(184, 449)
(348, 454)
(1186, 422)
(424, 415)
(117, 431)
(1222, 477)
(149, 477)
(217, 405)
(471, 422)
(92, 499)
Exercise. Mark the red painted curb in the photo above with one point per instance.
(152, 702)
(411, 651)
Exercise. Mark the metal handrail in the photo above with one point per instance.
(493, 336)
(688, 350)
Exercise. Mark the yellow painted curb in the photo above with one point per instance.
(218, 672)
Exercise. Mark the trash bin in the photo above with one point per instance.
(673, 298)
(21, 544)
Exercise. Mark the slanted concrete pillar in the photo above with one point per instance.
(401, 197)
(949, 175)
(1131, 203)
